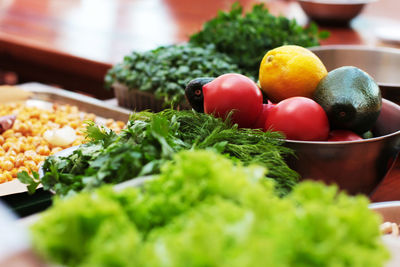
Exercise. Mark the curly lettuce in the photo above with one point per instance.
(205, 210)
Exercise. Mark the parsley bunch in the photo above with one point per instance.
(247, 38)
(168, 69)
(150, 140)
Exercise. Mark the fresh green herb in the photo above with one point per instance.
(151, 139)
(31, 182)
(167, 70)
(246, 39)
(205, 210)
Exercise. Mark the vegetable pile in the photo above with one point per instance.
(151, 139)
(311, 104)
(231, 42)
(205, 210)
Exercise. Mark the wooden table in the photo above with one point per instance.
(73, 43)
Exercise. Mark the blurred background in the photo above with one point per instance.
(72, 44)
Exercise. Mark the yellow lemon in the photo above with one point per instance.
(290, 70)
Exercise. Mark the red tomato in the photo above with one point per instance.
(343, 135)
(260, 122)
(299, 118)
(233, 92)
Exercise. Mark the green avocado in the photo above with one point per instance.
(351, 99)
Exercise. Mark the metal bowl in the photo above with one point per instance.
(355, 166)
(338, 12)
(381, 63)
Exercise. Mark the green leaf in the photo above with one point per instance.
(324, 34)
(32, 188)
(32, 182)
(25, 178)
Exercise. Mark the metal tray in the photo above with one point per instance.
(84, 103)
(14, 193)
(382, 63)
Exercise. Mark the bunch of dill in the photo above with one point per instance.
(151, 139)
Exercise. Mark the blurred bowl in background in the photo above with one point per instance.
(355, 166)
(334, 12)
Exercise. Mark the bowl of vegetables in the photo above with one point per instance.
(356, 166)
(341, 131)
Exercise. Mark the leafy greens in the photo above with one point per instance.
(246, 38)
(151, 139)
(205, 210)
(167, 70)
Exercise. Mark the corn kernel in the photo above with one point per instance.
(74, 124)
(7, 145)
(30, 164)
(27, 147)
(37, 159)
(11, 152)
(3, 178)
(29, 154)
(7, 175)
(11, 158)
(14, 172)
(43, 150)
(7, 165)
(8, 133)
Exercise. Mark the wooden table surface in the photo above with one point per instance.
(73, 43)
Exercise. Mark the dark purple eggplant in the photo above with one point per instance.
(194, 93)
